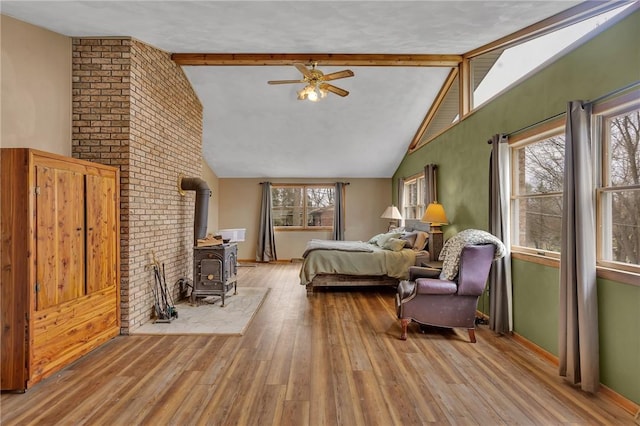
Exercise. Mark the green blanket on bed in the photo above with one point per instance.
(377, 262)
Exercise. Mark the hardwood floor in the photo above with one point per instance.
(330, 359)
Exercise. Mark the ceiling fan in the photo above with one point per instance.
(317, 86)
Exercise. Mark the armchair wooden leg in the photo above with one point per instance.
(472, 334)
(405, 325)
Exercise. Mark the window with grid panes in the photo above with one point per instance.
(413, 205)
(538, 175)
(303, 206)
(618, 206)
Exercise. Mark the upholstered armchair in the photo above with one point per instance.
(428, 297)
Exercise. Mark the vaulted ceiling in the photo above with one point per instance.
(252, 129)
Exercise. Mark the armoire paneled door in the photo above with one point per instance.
(60, 263)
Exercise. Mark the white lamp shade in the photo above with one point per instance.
(391, 212)
(435, 214)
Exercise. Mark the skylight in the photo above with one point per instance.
(517, 61)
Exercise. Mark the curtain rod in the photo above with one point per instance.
(303, 184)
(544, 120)
(596, 100)
(615, 92)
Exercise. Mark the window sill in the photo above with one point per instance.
(300, 229)
(617, 275)
(540, 259)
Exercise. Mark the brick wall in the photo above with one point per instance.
(134, 108)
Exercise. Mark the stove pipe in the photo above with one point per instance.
(202, 205)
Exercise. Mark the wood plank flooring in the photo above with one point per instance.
(330, 359)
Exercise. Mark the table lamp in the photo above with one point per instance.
(392, 213)
(435, 215)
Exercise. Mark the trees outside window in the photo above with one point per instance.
(537, 163)
(619, 192)
(538, 170)
(303, 206)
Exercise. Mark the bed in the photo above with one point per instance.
(379, 261)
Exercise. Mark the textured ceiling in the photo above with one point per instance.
(252, 129)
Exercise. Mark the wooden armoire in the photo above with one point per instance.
(60, 262)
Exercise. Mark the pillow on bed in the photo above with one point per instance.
(409, 238)
(375, 238)
(394, 244)
(385, 237)
(422, 238)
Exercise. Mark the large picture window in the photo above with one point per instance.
(619, 188)
(303, 206)
(538, 175)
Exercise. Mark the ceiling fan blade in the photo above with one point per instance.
(303, 69)
(284, 81)
(337, 75)
(333, 89)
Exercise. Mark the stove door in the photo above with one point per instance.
(210, 271)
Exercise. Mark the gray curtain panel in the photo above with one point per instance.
(500, 294)
(338, 212)
(401, 199)
(266, 250)
(578, 324)
(430, 184)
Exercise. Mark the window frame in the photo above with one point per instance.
(420, 196)
(304, 187)
(539, 133)
(602, 112)
(606, 269)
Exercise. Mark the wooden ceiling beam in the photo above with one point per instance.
(451, 78)
(323, 59)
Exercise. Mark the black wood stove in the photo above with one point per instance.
(214, 271)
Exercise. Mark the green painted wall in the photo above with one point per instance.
(536, 299)
(619, 316)
(607, 62)
(536, 305)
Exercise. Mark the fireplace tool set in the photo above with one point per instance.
(163, 300)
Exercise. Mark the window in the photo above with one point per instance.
(499, 65)
(413, 203)
(538, 175)
(498, 69)
(303, 206)
(619, 188)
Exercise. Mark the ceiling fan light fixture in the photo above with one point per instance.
(313, 94)
(317, 86)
